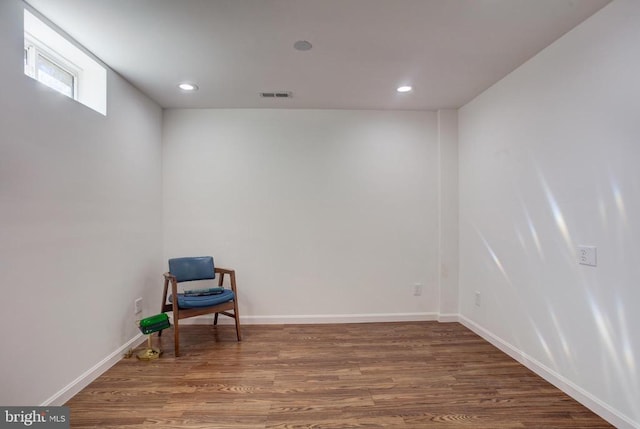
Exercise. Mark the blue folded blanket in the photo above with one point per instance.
(204, 292)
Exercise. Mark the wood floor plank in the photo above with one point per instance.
(380, 375)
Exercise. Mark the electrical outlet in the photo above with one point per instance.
(477, 299)
(417, 289)
(587, 255)
(137, 306)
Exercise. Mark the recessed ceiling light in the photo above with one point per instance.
(302, 45)
(404, 88)
(185, 86)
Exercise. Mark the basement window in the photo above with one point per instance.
(48, 68)
(57, 63)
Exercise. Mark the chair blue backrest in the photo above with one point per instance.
(192, 268)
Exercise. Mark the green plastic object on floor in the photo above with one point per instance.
(154, 323)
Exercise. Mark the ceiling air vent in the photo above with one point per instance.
(277, 94)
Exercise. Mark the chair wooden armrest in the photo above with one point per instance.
(232, 277)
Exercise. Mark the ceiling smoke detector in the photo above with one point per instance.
(302, 45)
(277, 94)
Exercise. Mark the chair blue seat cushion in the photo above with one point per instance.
(203, 301)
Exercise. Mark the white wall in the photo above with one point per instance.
(321, 212)
(448, 213)
(80, 224)
(548, 161)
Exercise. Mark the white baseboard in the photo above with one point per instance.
(315, 319)
(70, 390)
(448, 318)
(611, 415)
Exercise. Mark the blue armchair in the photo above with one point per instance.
(190, 303)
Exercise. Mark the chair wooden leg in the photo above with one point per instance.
(236, 316)
(238, 334)
(176, 337)
(215, 319)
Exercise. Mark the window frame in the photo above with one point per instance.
(54, 46)
(34, 47)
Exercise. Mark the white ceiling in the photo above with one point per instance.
(448, 50)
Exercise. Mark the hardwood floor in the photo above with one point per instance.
(393, 375)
